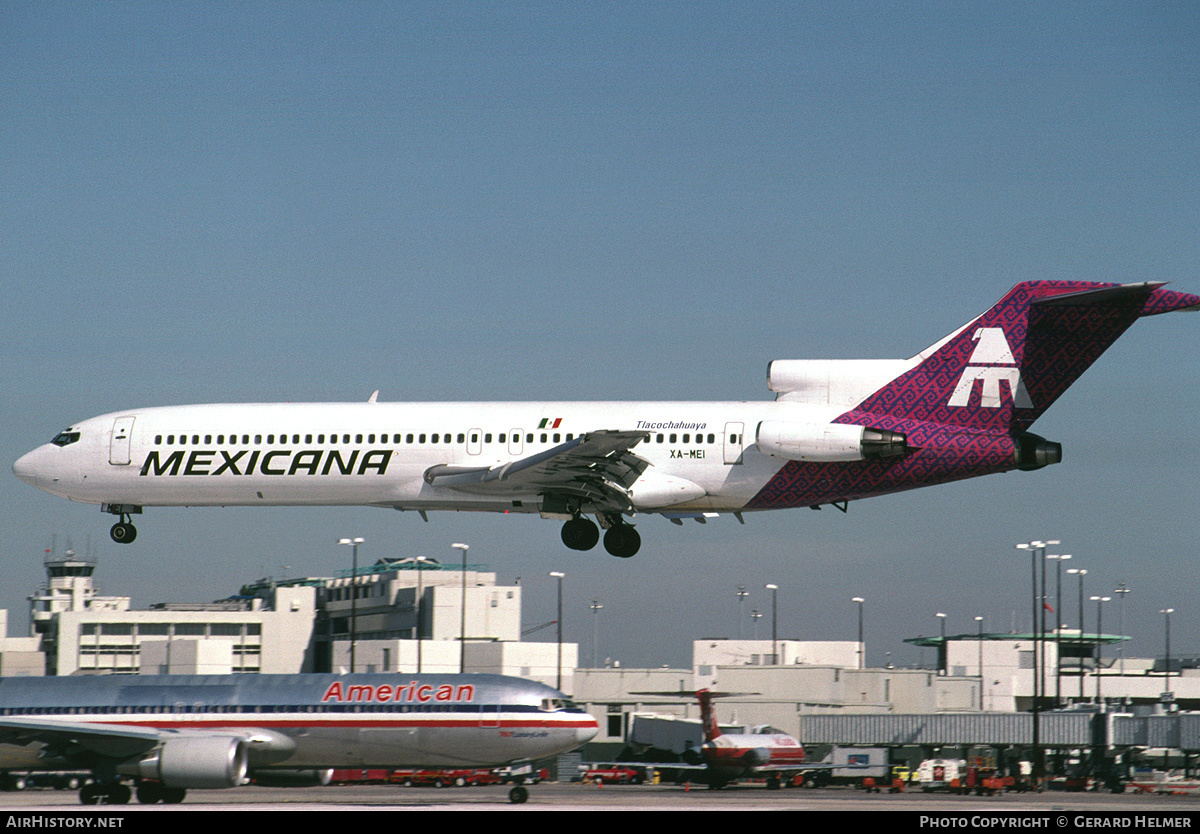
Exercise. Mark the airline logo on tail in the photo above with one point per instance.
(991, 363)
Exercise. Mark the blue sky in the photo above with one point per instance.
(310, 201)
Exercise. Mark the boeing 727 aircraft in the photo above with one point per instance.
(838, 431)
(171, 733)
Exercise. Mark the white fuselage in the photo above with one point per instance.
(378, 453)
(290, 721)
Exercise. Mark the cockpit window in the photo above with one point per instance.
(558, 704)
(65, 438)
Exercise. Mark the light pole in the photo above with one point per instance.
(755, 616)
(1121, 591)
(979, 627)
(742, 593)
(1166, 612)
(596, 608)
(354, 543)
(943, 649)
(559, 575)
(1036, 549)
(462, 622)
(1099, 636)
(420, 606)
(1058, 625)
(774, 589)
(861, 648)
(1081, 573)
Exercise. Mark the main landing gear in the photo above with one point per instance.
(112, 792)
(123, 532)
(105, 793)
(620, 539)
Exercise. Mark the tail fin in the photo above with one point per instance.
(708, 716)
(1000, 372)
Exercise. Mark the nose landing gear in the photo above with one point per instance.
(123, 532)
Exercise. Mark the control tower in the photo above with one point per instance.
(68, 587)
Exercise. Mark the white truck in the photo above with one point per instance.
(942, 775)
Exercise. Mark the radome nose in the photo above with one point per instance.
(26, 467)
(586, 734)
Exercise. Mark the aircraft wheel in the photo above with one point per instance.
(150, 793)
(518, 795)
(90, 794)
(580, 534)
(119, 795)
(123, 533)
(622, 540)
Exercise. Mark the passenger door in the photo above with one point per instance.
(118, 451)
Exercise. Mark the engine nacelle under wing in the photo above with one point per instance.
(653, 490)
(828, 442)
(197, 762)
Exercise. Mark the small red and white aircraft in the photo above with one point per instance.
(724, 757)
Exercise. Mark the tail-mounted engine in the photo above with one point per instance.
(829, 442)
(1033, 452)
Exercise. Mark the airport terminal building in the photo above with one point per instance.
(405, 615)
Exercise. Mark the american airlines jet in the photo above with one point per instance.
(169, 733)
(837, 431)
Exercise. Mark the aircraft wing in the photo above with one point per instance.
(85, 740)
(598, 467)
(80, 739)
